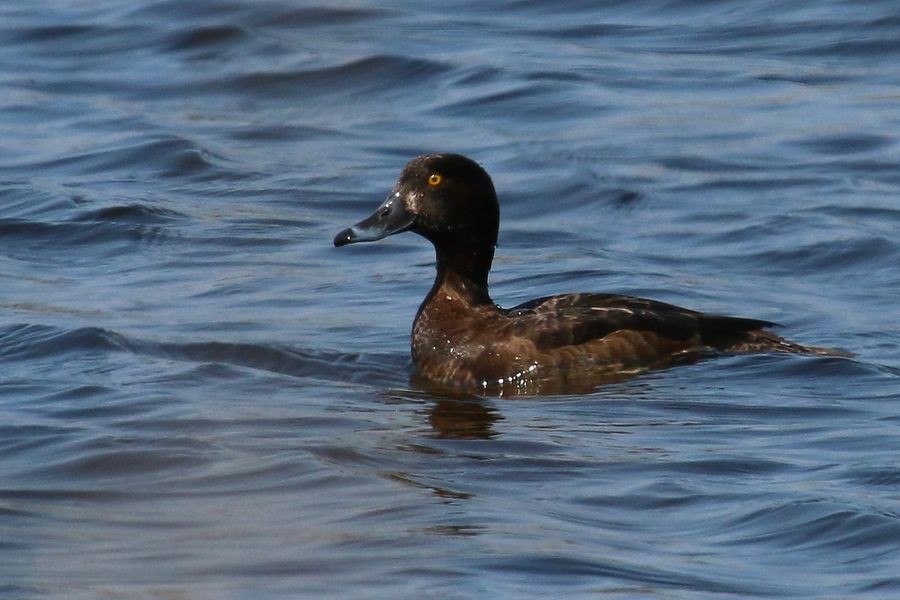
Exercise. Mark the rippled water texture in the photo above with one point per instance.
(201, 398)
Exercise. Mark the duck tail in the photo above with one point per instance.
(760, 340)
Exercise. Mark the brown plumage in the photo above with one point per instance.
(462, 340)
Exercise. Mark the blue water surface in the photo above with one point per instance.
(201, 398)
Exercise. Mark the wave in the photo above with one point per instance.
(162, 155)
(384, 73)
(24, 342)
(816, 525)
(93, 231)
(131, 213)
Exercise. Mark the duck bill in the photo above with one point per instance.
(389, 218)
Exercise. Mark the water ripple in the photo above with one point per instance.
(169, 156)
(371, 73)
(207, 38)
(816, 526)
(25, 341)
(30, 235)
(139, 214)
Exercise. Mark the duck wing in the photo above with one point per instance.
(575, 319)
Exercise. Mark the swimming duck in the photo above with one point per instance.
(462, 340)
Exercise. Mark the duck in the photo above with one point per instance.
(462, 340)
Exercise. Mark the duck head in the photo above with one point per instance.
(446, 198)
(449, 200)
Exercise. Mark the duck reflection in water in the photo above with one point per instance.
(463, 419)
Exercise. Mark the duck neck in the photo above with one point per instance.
(464, 271)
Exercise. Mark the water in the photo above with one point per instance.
(201, 398)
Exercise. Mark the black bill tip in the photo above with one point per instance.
(343, 238)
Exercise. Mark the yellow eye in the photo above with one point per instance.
(435, 179)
